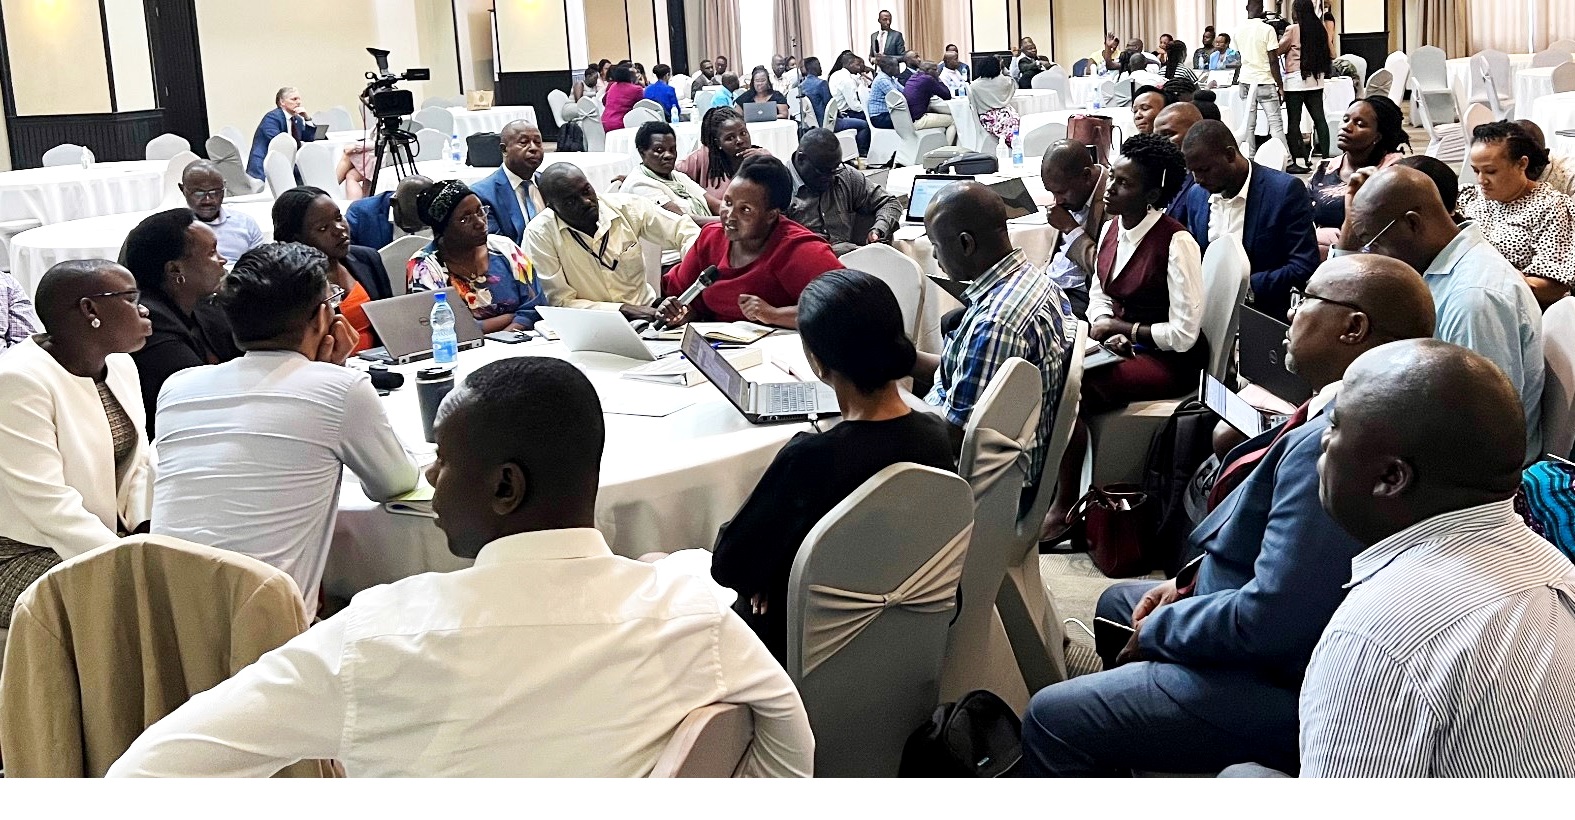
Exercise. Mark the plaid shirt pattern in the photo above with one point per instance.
(1014, 310)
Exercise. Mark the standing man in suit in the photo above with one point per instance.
(1268, 210)
(289, 115)
(887, 41)
(512, 191)
(1070, 174)
(1209, 676)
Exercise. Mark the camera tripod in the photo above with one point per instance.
(393, 144)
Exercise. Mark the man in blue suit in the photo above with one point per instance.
(1268, 210)
(511, 191)
(289, 115)
(1210, 675)
(372, 219)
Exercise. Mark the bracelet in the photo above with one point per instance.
(1135, 326)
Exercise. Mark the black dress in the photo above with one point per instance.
(813, 473)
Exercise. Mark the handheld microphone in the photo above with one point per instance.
(692, 293)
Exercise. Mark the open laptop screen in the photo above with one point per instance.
(715, 367)
(924, 189)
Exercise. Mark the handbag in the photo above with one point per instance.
(978, 736)
(1095, 131)
(1116, 519)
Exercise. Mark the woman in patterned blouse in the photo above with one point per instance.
(490, 272)
(1525, 220)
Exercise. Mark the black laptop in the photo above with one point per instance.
(1263, 357)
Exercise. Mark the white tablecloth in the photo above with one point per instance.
(666, 483)
(1031, 233)
(600, 169)
(1027, 101)
(66, 192)
(491, 119)
(1084, 90)
(1460, 77)
(34, 252)
(1532, 84)
(779, 137)
(1553, 113)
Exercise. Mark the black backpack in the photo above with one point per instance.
(978, 736)
(1174, 456)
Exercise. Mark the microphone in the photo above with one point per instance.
(692, 293)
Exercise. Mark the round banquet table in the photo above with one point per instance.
(34, 252)
(467, 122)
(1031, 233)
(65, 192)
(1532, 84)
(1084, 90)
(667, 483)
(1459, 70)
(1027, 101)
(780, 137)
(599, 167)
(1553, 113)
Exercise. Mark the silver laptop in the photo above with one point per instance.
(760, 112)
(403, 325)
(925, 187)
(762, 403)
(601, 331)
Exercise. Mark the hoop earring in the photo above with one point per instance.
(96, 323)
(180, 279)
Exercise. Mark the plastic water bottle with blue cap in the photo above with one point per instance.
(445, 344)
(1017, 146)
(455, 153)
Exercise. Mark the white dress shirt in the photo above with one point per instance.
(1229, 214)
(1183, 280)
(1453, 655)
(550, 657)
(844, 91)
(572, 276)
(532, 192)
(251, 453)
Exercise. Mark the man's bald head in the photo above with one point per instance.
(967, 223)
(1066, 157)
(404, 202)
(571, 196)
(522, 148)
(1353, 304)
(1176, 121)
(1398, 213)
(202, 186)
(1067, 171)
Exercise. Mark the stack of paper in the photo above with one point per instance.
(677, 369)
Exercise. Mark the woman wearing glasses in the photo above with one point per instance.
(74, 461)
(311, 217)
(490, 272)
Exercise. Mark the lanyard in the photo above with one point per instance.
(599, 253)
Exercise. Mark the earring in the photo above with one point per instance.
(96, 323)
(180, 279)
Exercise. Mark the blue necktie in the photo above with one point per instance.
(530, 207)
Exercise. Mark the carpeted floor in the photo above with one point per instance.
(1075, 585)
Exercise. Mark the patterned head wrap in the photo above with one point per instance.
(436, 204)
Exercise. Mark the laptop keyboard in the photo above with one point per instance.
(790, 398)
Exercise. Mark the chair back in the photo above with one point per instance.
(438, 119)
(653, 106)
(337, 119)
(1039, 140)
(66, 154)
(901, 117)
(1549, 58)
(1360, 63)
(234, 135)
(278, 172)
(712, 741)
(1564, 78)
(1272, 154)
(1558, 391)
(1042, 80)
(1058, 83)
(1226, 273)
(901, 274)
(1338, 94)
(1428, 68)
(870, 596)
(173, 198)
(396, 257)
(682, 85)
(317, 162)
(1081, 67)
(1483, 82)
(595, 134)
(1107, 92)
(284, 144)
(1476, 114)
(165, 146)
(1566, 46)
(1382, 83)
(703, 99)
(429, 143)
(1399, 66)
(638, 115)
(555, 100)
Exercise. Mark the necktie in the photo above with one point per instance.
(295, 129)
(1237, 471)
(529, 206)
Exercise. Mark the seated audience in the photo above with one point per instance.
(1267, 210)
(175, 260)
(1174, 65)
(1147, 102)
(832, 196)
(955, 73)
(706, 77)
(1013, 309)
(287, 117)
(658, 179)
(1527, 221)
(910, 65)
(662, 92)
(1444, 179)
(1078, 185)
(1223, 57)
(1453, 655)
(1174, 122)
(1108, 58)
(311, 217)
(1029, 63)
(73, 456)
(919, 90)
(621, 95)
(990, 96)
(251, 452)
(490, 272)
(815, 89)
(1560, 173)
(763, 258)
(851, 327)
(844, 84)
(721, 65)
(511, 193)
(1200, 55)
(885, 81)
(724, 144)
(1371, 135)
(549, 657)
(376, 221)
(784, 74)
(18, 319)
(1138, 72)
(729, 83)
(1180, 89)
(586, 248)
(203, 189)
(587, 84)
(1210, 675)
(1483, 302)
(760, 91)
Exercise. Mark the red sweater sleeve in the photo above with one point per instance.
(802, 257)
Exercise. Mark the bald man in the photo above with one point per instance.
(1453, 655)
(1070, 174)
(1483, 302)
(512, 191)
(1173, 123)
(203, 188)
(1013, 310)
(381, 218)
(1560, 173)
(1209, 678)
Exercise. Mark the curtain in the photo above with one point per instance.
(792, 30)
(1145, 19)
(1503, 26)
(1555, 21)
(926, 31)
(957, 25)
(719, 32)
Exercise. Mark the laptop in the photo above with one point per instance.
(1019, 202)
(760, 112)
(1263, 357)
(317, 132)
(403, 324)
(925, 187)
(760, 403)
(601, 331)
(874, 176)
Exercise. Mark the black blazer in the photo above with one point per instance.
(367, 267)
(175, 345)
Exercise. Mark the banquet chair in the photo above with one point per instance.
(1381, 84)
(884, 142)
(439, 119)
(1272, 154)
(1476, 114)
(225, 156)
(703, 101)
(870, 597)
(682, 85)
(1399, 67)
(1558, 390)
(908, 283)
(337, 119)
(396, 258)
(1338, 94)
(1489, 73)
(1107, 92)
(795, 99)
(1430, 87)
(652, 106)
(284, 144)
(278, 172)
(1042, 80)
(913, 144)
(234, 135)
(591, 122)
(1564, 78)
(173, 170)
(318, 163)
(1361, 65)
(994, 462)
(1039, 140)
(165, 146)
(67, 154)
(8, 229)
(638, 116)
(429, 144)
(1447, 141)
(1081, 67)
(712, 741)
(555, 101)
(1564, 45)
(1549, 58)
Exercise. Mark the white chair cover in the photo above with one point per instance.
(914, 143)
(1430, 81)
(279, 171)
(173, 198)
(1360, 63)
(165, 146)
(682, 86)
(337, 119)
(638, 115)
(1549, 58)
(1272, 154)
(284, 144)
(1445, 141)
(920, 313)
(396, 256)
(318, 163)
(1039, 140)
(703, 99)
(1399, 66)
(66, 154)
(1558, 391)
(556, 99)
(438, 119)
(1227, 274)
(1565, 45)
(653, 106)
(884, 142)
(1041, 80)
(1382, 84)
(1564, 78)
(429, 143)
(1476, 114)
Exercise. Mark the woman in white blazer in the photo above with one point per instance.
(75, 467)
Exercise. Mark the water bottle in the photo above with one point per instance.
(1097, 95)
(86, 160)
(673, 117)
(445, 345)
(1017, 147)
(455, 156)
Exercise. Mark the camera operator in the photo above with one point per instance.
(288, 116)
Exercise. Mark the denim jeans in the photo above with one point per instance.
(847, 120)
(1267, 97)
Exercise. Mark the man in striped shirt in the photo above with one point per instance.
(1453, 655)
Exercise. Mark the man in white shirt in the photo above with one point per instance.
(1259, 76)
(203, 187)
(550, 657)
(586, 247)
(252, 451)
(1453, 655)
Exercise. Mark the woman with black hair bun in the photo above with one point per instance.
(1371, 136)
(1527, 221)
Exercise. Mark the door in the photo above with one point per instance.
(177, 69)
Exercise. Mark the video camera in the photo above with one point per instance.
(385, 101)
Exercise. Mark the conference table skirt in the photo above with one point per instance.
(599, 167)
(1554, 113)
(667, 483)
(66, 192)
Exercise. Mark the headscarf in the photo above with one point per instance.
(435, 206)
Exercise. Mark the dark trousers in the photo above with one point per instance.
(880, 121)
(861, 129)
(1156, 717)
(1313, 100)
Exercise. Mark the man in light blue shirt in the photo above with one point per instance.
(885, 80)
(1483, 302)
(203, 187)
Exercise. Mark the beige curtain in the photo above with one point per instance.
(792, 28)
(1146, 19)
(719, 32)
(926, 32)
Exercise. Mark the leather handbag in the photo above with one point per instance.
(1116, 520)
(1095, 131)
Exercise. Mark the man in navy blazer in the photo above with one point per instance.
(512, 191)
(1211, 674)
(1275, 222)
(289, 115)
(372, 219)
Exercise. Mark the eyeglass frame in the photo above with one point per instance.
(336, 297)
(486, 211)
(134, 292)
(216, 193)
(1300, 297)
(1368, 247)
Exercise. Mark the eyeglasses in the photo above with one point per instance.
(133, 296)
(336, 295)
(1300, 297)
(486, 210)
(1368, 248)
(214, 194)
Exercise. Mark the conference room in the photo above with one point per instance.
(817, 388)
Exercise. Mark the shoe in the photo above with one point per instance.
(1297, 169)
